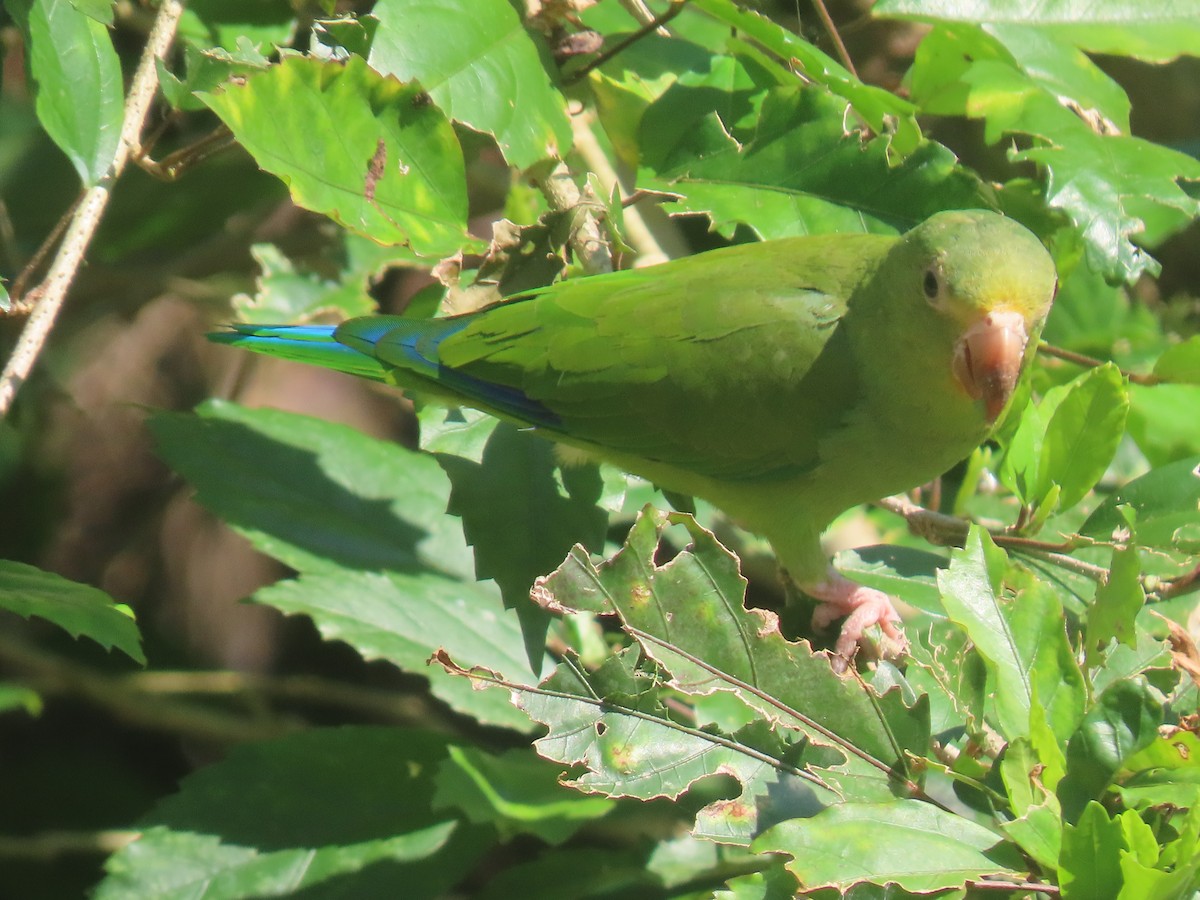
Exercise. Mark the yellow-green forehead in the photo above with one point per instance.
(986, 258)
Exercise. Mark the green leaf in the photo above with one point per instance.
(1157, 32)
(237, 25)
(80, 96)
(1038, 831)
(481, 66)
(1180, 363)
(1022, 639)
(516, 792)
(625, 86)
(346, 808)
(17, 696)
(1063, 445)
(1124, 720)
(953, 676)
(1112, 186)
(395, 173)
(881, 109)
(1089, 865)
(286, 295)
(906, 842)
(100, 10)
(206, 70)
(314, 495)
(1161, 421)
(773, 883)
(1056, 66)
(613, 722)
(687, 614)
(1118, 601)
(406, 618)
(78, 609)
(1165, 773)
(1165, 501)
(1083, 433)
(795, 170)
(1093, 317)
(343, 36)
(519, 534)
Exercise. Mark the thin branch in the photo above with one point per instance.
(49, 846)
(1179, 586)
(50, 674)
(832, 31)
(173, 165)
(946, 531)
(1090, 362)
(23, 303)
(1014, 886)
(53, 290)
(935, 527)
(157, 699)
(640, 11)
(381, 704)
(672, 11)
(1071, 564)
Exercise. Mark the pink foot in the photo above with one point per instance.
(863, 607)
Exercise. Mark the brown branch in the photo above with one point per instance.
(21, 303)
(48, 846)
(47, 673)
(166, 701)
(950, 531)
(832, 31)
(672, 11)
(1090, 362)
(53, 290)
(173, 165)
(1176, 587)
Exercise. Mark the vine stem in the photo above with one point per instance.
(53, 290)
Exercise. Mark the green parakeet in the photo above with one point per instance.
(784, 381)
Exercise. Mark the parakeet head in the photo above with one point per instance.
(990, 282)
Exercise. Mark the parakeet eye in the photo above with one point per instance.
(931, 284)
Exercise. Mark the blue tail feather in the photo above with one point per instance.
(412, 345)
(313, 344)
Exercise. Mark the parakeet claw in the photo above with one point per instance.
(863, 607)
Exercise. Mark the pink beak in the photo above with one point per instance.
(988, 358)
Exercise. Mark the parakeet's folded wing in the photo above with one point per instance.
(732, 366)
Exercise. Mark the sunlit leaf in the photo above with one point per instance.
(481, 66)
(395, 172)
(78, 609)
(892, 843)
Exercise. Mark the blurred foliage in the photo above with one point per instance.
(1043, 730)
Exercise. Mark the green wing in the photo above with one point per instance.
(730, 365)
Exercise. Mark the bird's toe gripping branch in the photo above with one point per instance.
(862, 607)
